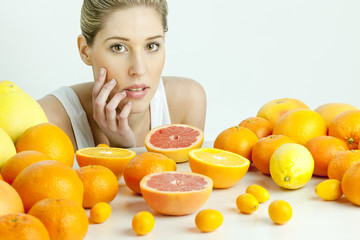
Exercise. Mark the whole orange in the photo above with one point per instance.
(350, 184)
(341, 162)
(330, 110)
(20, 226)
(346, 126)
(323, 149)
(239, 140)
(63, 218)
(264, 148)
(260, 126)
(274, 109)
(49, 139)
(144, 164)
(300, 125)
(100, 184)
(48, 179)
(10, 201)
(20, 161)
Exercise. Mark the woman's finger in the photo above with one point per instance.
(110, 110)
(99, 82)
(123, 116)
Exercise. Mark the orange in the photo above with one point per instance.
(346, 126)
(102, 145)
(350, 184)
(100, 184)
(174, 140)
(143, 222)
(280, 211)
(48, 179)
(239, 140)
(341, 162)
(330, 110)
(144, 164)
(300, 125)
(100, 212)
(1, 178)
(223, 167)
(247, 203)
(264, 148)
(260, 126)
(208, 220)
(259, 192)
(63, 218)
(113, 158)
(20, 226)
(274, 109)
(49, 139)
(20, 161)
(10, 201)
(323, 149)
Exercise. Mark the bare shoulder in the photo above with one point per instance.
(186, 100)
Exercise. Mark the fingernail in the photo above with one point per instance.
(102, 71)
(128, 103)
(112, 82)
(123, 93)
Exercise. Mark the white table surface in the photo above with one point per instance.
(312, 217)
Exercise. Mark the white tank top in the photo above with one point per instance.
(159, 113)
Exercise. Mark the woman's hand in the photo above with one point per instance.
(115, 126)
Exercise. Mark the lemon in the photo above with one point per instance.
(143, 222)
(329, 189)
(7, 148)
(208, 220)
(291, 166)
(18, 110)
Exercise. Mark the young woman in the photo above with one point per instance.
(124, 43)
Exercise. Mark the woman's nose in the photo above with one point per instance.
(137, 65)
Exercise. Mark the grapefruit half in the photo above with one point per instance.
(176, 193)
(174, 140)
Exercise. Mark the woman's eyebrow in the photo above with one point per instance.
(126, 39)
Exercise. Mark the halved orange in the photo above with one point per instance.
(223, 167)
(111, 157)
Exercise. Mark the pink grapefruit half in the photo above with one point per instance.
(176, 193)
(174, 140)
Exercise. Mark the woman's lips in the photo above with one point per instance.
(136, 91)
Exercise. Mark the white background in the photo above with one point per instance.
(244, 53)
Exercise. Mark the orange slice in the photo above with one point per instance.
(223, 167)
(113, 158)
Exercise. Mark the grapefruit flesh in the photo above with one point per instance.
(176, 193)
(174, 140)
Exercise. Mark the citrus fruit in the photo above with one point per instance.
(113, 158)
(7, 147)
(274, 109)
(102, 145)
(330, 110)
(100, 212)
(63, 218)
(48, 179)
(20, 226)
(247, 203)
(174, 140)
(259, 192)
(291, 166)
(341, 162)
(144, 164)
(100, 184)
(176, 193)
(18, 110)
(1, 178)
(260, 126)
(143, 222)
(20, 161)
(208, 220)
(264, 148)
(350, 184)
(223, 167)
(49, 139)
(280, 211)
(346, 126)
(239, 140)
(10, 201)
(323, 149)
(300, 125)
(329, 189)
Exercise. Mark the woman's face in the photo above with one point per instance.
(131, 48)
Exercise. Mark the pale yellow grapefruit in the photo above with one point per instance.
(7, 147)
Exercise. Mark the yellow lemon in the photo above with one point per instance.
(18, 110)
(100, 212)
(7, 147)
(143, 222)
(260, 193)
(329, 190)
(208, 220)
(291, 166)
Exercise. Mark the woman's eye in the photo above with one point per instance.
(152, 46)
(118, 48)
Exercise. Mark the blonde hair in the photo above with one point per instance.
(94, 13)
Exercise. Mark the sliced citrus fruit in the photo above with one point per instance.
(174, 140)
(176, 193)
(223, 167)
(113, 158)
